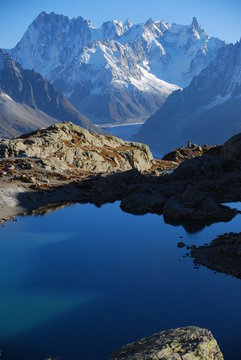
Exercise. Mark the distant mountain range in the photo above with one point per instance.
(120, 72)
(207, 111)
(28, 101)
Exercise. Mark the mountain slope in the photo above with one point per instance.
(17, 119)
(119, 72)
(207, 111)
(29, 88)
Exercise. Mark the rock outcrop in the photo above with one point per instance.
(67, 148)
(188, 343)
(191, 151)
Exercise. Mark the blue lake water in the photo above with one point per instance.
(80, 282)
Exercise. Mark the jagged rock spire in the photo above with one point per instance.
(195, 24)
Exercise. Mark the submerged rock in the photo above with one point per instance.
(188, 343)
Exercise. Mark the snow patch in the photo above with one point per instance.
(5, 96)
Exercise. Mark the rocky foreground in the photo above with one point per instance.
(66, 163)
(189, 343)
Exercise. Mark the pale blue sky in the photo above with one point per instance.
(221, 18)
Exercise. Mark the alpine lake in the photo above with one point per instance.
(80, 282)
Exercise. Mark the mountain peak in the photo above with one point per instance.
(43, 13)
(139, 65)
(195, 24)
(149, 22)
(128, 23)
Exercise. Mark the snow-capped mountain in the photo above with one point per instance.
(207, 111)
(27, 101)
(120, 71)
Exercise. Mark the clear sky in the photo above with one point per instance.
(221, 18)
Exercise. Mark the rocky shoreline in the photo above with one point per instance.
(66, 164)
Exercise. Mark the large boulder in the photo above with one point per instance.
(231, 149)
(188, 343)
(193, 205)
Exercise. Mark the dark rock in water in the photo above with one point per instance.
(192, 205)
(188, 343)
(180, 244)
(222, 255)
(174, 210)
(140, 203)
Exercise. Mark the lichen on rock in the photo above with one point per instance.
(67, 147)
(188, 343)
